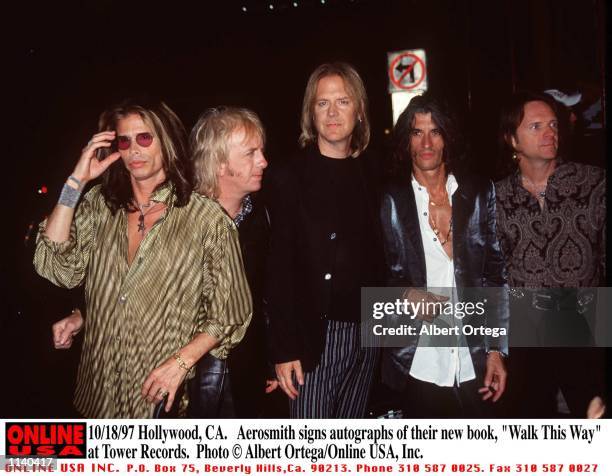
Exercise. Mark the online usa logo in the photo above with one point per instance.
(58, 440)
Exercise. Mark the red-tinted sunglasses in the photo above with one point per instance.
(143, 139)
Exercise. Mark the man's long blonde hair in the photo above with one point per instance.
(354, 85)
(209, 143)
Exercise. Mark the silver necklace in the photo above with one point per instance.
(143, 214)
(539, 192)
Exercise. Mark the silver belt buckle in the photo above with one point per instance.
(584, 301)
(537, 303)
(516, 293)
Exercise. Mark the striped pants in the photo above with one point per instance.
(339, 386)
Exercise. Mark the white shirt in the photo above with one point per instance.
(443, 366)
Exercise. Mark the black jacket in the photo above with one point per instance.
(248, 360)
(477, 260)
(302, 251)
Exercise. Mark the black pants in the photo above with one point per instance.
(549, 351)
(535, 375)
(210, 393)
(427, 400)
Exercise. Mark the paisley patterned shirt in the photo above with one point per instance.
(562, 244)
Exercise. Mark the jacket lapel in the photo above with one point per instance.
(462, 198)
(407, 213)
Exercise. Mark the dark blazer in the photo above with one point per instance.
(476, 253)
(302, 253)
(248, 361)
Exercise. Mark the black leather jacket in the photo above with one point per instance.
(476, 253)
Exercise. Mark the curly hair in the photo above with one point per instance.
(116, 186)
(441, 116)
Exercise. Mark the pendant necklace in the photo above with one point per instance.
(143, 214)
(434, 225)
(539, 192)
(436, 230)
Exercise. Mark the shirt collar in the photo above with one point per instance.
(164, 194)
(451, 185)
(247, 207)
(561, 164)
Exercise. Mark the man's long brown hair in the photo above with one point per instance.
(116, 186)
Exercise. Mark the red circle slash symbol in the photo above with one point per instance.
(404, 70)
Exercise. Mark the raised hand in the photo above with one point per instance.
(89, 167)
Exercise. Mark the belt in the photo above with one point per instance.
(543, 300)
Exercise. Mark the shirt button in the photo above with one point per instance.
(435, 239)
(118, 338)
(425, 213)
(327, 276)
(332, 236)
(122, 299)
(452, 351)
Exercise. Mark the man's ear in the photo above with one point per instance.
(511, 141)
(222, 170)
(361, 112)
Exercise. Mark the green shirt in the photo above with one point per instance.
(187, 277)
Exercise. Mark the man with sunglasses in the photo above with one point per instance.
(164, 280)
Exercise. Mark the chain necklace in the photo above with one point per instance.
(539, 192)
(434, 225)
(436, 230)
(434, 204)
(143, 214)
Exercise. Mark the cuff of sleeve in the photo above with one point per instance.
(54, 246)
(498, 351)
(282, 357)
(270, 371)
(215, 330)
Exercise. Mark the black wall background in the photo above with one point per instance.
(65, 62)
